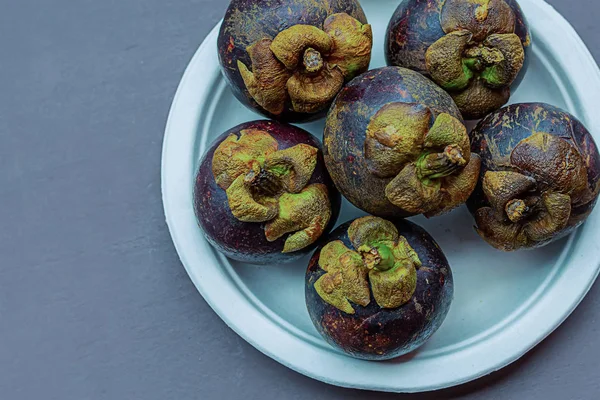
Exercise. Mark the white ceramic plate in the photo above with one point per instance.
(504, 303)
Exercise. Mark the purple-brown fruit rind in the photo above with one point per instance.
(417, 25)
(539, 179)
(248, 32)
(248, 241)
(377, 140)
(372, 332)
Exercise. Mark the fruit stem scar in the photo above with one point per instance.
(518, 209)
(313, 61)
(263, 182)
(439, 165)
(379, 257)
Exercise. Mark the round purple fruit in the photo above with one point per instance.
(477, 50)
(287, 59)
(263, 195)
(378, 290)
(395, 145)
(540, 176)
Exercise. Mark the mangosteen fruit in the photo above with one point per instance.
(477, 50)
(395, 145)
(262, 193)
(287, 59)
(539, 176)
(378, 289)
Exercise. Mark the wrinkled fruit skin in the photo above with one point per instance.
(374, 333)
(416, 25)
(502, 139)
(248, 21)
(346, 131)
(246, 241)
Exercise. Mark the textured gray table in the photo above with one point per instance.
(94, 303)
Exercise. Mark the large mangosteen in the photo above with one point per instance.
(539, 176)
(477, 50)
(262, 193)
(395, 145)
(287, 59)
(377, 289)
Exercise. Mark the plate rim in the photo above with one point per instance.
(185, 115)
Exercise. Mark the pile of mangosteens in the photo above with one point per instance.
(395, 145)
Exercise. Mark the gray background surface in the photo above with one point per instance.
(94, 303)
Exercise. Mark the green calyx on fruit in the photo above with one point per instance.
(382, 257)
(431, 165)
(455, 60)
(265, 184)
(307, 65)
(530, 207)
(479, 57)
